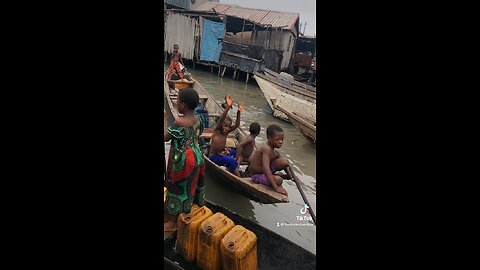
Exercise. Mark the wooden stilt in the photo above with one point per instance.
(223, 72)
(219, 68)
(234, 74)
(248, 76)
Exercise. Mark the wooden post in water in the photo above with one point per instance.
(234, 74)
(248, 75)
(219, 68)
(223, 72)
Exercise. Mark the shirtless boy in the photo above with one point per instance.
(265, 161)
(218, 153)
(245, 148)
(176, 52)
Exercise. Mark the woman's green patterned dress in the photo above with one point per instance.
(185, 169)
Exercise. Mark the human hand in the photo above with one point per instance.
(241, 108)
(281, 190)
(229, 101)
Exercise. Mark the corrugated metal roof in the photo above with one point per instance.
(276, 19)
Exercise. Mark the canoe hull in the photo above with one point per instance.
(306, 126)
(257, 192)
(276, 96)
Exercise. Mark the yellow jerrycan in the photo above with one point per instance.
(211, 232)
(239, 249)
(187, 231)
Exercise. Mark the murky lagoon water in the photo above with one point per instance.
(296, 148)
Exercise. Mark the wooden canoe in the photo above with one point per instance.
(306, 126)
(292, 83)
(258, 192)
(295, 99)
(274, 252)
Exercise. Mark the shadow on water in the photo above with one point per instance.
(218, 191)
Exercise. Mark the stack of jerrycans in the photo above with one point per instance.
(211, 232)
(187, 231)
(239, 249)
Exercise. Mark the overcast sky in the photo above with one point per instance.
(306, 9)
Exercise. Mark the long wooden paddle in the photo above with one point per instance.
(298, 183)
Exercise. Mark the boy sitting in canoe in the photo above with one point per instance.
(219, 154)
(245, 148)
(185, 168)
(265, 161)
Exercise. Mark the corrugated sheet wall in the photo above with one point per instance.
(279, 40)
(181, 30)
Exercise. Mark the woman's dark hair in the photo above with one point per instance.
(254, 128)
(272, 129)
(189, 97)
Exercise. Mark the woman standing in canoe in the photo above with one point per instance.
(186, 167)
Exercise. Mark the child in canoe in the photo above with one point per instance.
(219, 154)
(245, 148)
(186, 167)
(176, 52)
(265, 161)
(175, 71)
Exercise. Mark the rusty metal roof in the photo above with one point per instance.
(276, 19)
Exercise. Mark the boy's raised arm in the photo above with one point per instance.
(237, 122)
(229, 103)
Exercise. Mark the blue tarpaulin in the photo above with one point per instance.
(211, 41)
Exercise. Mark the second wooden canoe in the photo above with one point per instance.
(275, 93)
(305, 125)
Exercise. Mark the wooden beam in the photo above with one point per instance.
(224, 68)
